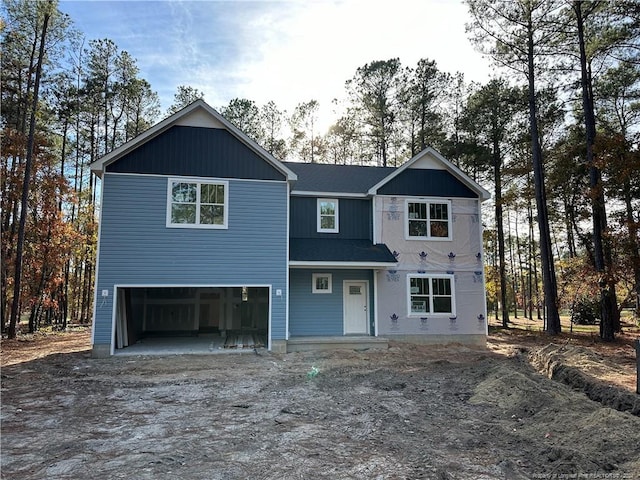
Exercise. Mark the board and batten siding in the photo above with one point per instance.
(354, 217)
(137, 248)
(426, 182)
(197, 151)
(322, 314)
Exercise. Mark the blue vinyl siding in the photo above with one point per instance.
(428, 183)
(136, 247)
(196, 151)
(354, 216)
(321, 314)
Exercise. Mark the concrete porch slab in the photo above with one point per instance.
(306, 344)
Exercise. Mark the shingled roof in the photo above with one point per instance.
(323, 177)
(339, 250)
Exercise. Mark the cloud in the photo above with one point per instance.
(285, 51)
(308, 50)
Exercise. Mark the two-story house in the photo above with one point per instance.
(203, 232)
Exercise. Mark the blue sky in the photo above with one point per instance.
(286, 51)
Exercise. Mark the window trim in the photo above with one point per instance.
(315, 276)
(428, 202)
(431, 313)
(336, 229)
(198, 182)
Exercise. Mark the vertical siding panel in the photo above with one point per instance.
(426, 182)
(197, 151)
(354, 215)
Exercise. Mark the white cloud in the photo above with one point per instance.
(285, 51)
(308, 51)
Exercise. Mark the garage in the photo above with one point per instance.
(188, 319)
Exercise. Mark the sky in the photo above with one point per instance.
(286, 51)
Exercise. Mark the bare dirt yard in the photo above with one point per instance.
(408, 412)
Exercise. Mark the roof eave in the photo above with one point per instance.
(309, 193)
(335, 264)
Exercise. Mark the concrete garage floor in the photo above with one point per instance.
(202, 344)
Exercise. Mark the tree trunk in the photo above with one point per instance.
(514, 275)
(553, 326)
(633, 244)
(497, 161)
(520, 270)
(24, 204)
(602, 261)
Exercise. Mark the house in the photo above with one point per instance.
(203, 232)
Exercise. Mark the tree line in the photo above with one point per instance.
(555, 134)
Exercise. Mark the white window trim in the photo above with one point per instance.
(315, 276)
(431, 313)
(337, 222)
(428, 201)
(198, 182)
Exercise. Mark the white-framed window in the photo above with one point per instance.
(431, 295)
(321, 283)
(197, 203)
(328, 221)
(428, 219)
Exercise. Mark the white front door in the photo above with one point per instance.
(356, 311)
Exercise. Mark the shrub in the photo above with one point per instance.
(585, 311)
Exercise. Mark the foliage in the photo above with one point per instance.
(586, 311)
(93, 99)
(183, 97)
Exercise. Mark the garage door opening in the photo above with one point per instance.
(191, 319)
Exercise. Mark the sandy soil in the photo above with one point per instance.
(409, 412)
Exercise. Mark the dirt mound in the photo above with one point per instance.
(446, 413)
(585, 371)
(559, 431)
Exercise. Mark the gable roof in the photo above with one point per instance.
(434, 157)
(198, 113)
(328, 178)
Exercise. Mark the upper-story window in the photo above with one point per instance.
(328, 215)
(197, 203)
(428, 219)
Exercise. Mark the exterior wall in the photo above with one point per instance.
(431, 257)
(321, 314)
(354, 218)
(426, 182)
(136, 247)
(196, 151)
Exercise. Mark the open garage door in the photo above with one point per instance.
(215, 317)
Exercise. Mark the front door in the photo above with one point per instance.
(356, 311)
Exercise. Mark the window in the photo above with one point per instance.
(197, 204)
(428, 220)
(431, 295)
(327, 215)
(321, 283)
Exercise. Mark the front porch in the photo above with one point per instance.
(315, 343)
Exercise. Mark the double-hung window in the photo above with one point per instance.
(428, 219)
(197, 203)
(328, 221)
(431, 295)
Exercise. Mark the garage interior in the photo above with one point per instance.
(191, 319)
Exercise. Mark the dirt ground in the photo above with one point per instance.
(408, 412)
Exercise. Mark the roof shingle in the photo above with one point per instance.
(322, 177)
